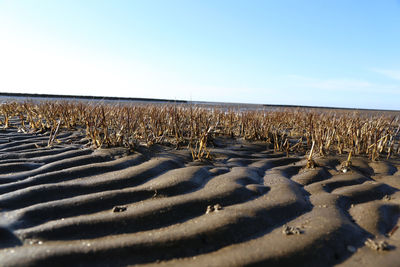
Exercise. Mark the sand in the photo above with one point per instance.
(70, 205)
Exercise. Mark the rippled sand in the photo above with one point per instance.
(70, 205)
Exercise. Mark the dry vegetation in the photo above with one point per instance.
(289, 130)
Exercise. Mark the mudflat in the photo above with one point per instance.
(70, 205)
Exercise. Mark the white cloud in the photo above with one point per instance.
(393, 74)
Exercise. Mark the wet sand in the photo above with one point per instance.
(69, 205)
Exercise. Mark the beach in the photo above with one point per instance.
(70, 204)
(200, 133)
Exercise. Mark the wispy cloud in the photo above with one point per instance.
(393, 74)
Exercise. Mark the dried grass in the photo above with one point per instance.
(290, 130)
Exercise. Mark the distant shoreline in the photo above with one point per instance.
(112, 98)
(336, 108)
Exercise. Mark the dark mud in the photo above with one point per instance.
(71, 205)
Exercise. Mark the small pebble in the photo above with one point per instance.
(212, 208)
(387, 198)
(351, 249)
(119, 209)
(377, 245)
(291, 230)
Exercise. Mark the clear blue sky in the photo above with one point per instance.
(324, 53)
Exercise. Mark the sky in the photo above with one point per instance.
(299, 52)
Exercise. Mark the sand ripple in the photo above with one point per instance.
(70, 205)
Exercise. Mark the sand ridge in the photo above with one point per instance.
(71, 205)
